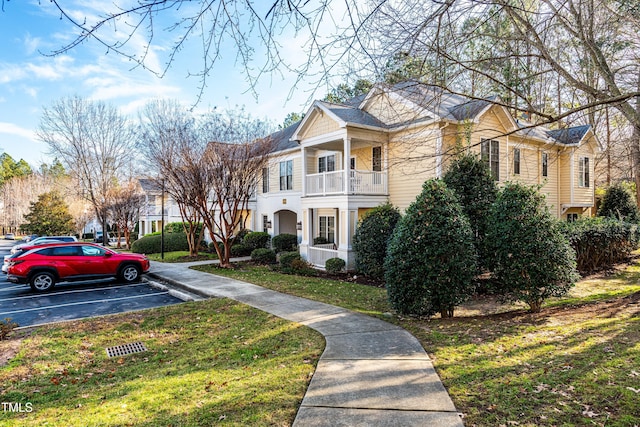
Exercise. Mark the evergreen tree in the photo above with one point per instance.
(472, 182)
(372, 237)
(618, 203)
(431, 260)
(49, 216)
(532, 259)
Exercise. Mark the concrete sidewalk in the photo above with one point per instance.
(372, 373)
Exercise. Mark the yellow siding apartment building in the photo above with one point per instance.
(344, 159)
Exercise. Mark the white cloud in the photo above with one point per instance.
(10, 73)
(12, 129)
(32, 44)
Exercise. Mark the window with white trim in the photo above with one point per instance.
(327, 163)
(571, 217)
(490, 155)
(516, 161)
(265, 223)
(327, 228)
(545, 164)
(583, 172)
(286, 175)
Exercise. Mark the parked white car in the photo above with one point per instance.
(40, 240)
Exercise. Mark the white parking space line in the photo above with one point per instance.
(74, 291)
(81, 303)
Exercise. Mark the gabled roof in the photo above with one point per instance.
(436, 103)
(566, 136)
(149, 185)
(352, 115)
(282, 139)
(569, 136)
(442, 103)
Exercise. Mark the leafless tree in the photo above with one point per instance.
(174, 152)
(233, 170)
(125, 201)
(209, 164)
(17, 194)
(95, 143)
(557, 61)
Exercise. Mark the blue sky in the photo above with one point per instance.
(30, 81)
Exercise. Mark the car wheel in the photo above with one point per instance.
(42, 281)
(130, 273)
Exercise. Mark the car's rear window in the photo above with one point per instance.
(65, 251)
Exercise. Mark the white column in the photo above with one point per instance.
(346, 160)
(304, 171)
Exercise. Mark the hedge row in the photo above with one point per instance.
(601, 242)
(150, 244)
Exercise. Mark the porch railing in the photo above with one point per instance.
(325, 183)
(318, 255)
(360, 182)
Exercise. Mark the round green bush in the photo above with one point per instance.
(256, 240)
(287, 257)
(150, 244)
(431, 259)
(470, 178)
(240, 250)
(618, 203)
(532, 260)
(263, 256)
(334, 265)
(372, 237)
(284, 242)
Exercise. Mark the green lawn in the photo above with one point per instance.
(576, 363)
(206, 362)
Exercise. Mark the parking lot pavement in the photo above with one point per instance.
(77, 300)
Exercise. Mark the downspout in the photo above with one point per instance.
(439, 145)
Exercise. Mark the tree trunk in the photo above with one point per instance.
(535, 306)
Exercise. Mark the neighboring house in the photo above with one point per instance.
(151, 214)
(344, 159)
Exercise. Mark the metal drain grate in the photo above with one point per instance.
(123, 350)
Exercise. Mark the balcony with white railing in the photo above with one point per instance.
(359, 182)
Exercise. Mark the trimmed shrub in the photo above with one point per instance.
(177, 227)
(241, 235)
(372, 237)
(256, 240)
(263, 256)
(532, 260)
(240, 250)
(150, 244)
(301, 268)
(284, 242)
(601, 242)
(286, 258)
(619, 203)
(334, 265)
(470, 178)
(431, 259)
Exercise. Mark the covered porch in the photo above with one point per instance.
(327, 232)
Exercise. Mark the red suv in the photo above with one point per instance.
(44, 265)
